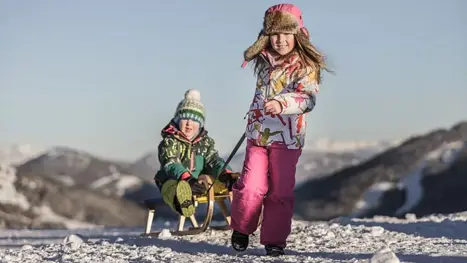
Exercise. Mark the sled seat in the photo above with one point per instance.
(216, 194)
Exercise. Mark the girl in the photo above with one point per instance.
(288, 69)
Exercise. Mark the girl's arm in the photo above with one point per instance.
(302, 95)
(169, 160)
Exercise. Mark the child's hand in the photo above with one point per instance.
(273, 106)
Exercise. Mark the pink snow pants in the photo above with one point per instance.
(268, 179)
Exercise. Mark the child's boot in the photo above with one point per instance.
(239, 241)
(274, 251)
(184, 198)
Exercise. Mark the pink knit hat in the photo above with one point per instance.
(281, 18)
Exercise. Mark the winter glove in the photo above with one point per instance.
(197, 188)
(229, 178)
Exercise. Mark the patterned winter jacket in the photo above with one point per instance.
(178, 155)
(297, 97)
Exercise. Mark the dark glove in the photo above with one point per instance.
(229, 178)
(197, 188)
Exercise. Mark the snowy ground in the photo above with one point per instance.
(431, 239)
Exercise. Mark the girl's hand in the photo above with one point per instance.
(273, 106)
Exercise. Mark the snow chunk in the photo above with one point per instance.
(164, 234)
(8, 193)
(73, 241)
(384, 255)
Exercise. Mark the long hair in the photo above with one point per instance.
(311, 59)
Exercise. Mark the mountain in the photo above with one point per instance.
(421, 175)
(18, 153)
(146, 167)
(75, 167)
(35, 201)
(424, 174)
(319, 158)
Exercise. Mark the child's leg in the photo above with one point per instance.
(249, 190)
(279, 201)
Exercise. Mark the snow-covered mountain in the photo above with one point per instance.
(36, 201)
(424, 174)
(146, 166)
(17, 153)
(75, 167)
(320, 157)
(65, 187)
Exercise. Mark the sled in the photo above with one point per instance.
(209, 198)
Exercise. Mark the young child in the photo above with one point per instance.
(186, 152)
(288, 69)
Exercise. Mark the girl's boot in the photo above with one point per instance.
(239, 241)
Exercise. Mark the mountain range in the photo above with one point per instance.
(62, 187)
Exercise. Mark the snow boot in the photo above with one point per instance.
(184, 198)
(274, 251)
(239, 241)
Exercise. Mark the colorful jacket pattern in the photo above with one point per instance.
(297, 96)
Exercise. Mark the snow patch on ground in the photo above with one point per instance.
(380, 240)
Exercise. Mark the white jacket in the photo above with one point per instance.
(297, 97)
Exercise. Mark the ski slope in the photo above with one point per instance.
(382, 240)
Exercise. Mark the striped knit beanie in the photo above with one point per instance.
(191, 108)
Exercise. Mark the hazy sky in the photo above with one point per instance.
(105, 76)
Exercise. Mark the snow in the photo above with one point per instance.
(123, 182)
(329, 145)
(371, 198)
(80, 160)
(16, 154)
(66, 180)
(379, 240)
(413, 185)
(445, 155)
(45, 214)
(8, 193)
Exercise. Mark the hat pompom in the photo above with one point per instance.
(193, 95)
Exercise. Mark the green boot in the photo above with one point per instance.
(184, 197)
(178, 196)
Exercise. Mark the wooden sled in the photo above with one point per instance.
(209, 198)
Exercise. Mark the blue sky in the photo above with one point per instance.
(105, 76)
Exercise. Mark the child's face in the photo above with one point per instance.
(189, 128)
(282, 43)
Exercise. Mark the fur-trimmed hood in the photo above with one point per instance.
(281, 18)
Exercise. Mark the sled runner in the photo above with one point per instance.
(220, 197)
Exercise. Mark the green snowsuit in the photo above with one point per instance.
(177, 155)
